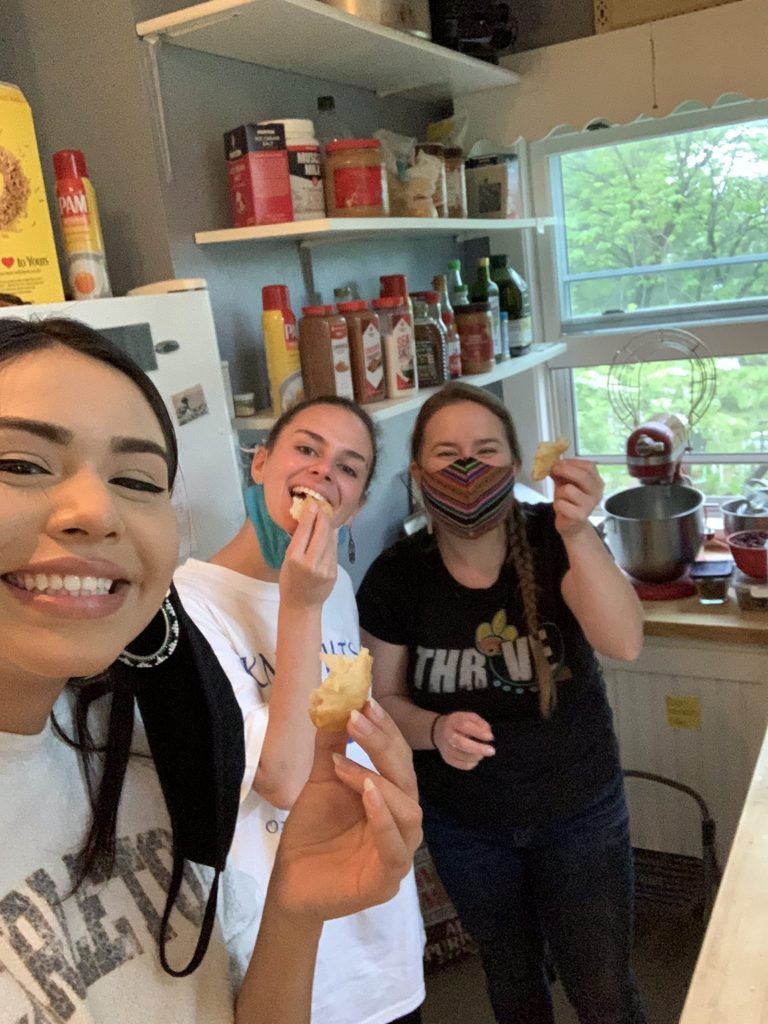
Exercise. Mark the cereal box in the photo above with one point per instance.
(29, 267)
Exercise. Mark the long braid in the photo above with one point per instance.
(521, 557)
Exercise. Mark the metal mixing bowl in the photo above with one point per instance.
(733, 520)
(655, 531)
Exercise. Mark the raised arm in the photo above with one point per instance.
(594, 588)
(347, 843)
(306, 579)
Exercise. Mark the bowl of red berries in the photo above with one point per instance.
(750, 552)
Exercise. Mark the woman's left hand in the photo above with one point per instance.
(578, 492)
(351, 835)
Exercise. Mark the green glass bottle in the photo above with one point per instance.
(485, 290)
(515, 301)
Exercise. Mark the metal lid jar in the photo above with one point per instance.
(355, 179)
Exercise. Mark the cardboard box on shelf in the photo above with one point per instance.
(29, 267)
(259, 179)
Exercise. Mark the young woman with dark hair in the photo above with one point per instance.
(102, 901)
(483, 633)
(268, 603)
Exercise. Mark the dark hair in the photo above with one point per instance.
(20, 337)
(520, 553)
(342, 403)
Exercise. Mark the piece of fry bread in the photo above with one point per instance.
(547, 454)
(298, 504)
(344, 689)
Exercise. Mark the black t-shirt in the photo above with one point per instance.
(468, 651)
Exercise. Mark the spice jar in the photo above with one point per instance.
(365, 351)
(455, 182)
(475, 325)
(324, 351)
(245, 404)
(355, 179)
(397, 342)
(439, 196)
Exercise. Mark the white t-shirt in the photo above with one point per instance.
(92, 958)
(369, 966)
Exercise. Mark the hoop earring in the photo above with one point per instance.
(166, 648)
(351, 549)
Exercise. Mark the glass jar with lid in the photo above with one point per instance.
(355, 179)
(475, 325)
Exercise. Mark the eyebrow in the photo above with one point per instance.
(349, 452)
(478, 441)
(62, 436)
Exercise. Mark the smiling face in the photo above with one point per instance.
(87, 532)
(460, 431)
(324, 449)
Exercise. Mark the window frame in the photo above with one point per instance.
(727, 329)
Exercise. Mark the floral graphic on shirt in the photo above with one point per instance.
(489, 636)
(490, 640)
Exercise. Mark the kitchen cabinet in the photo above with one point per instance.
(695, 711)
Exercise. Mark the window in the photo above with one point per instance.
(661, 223)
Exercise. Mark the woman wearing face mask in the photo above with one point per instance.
(104, 917)
(268, 603)
(483, 636)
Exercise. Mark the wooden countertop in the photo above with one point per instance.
(723, 623)
(730, 982)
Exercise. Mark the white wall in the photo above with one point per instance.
(698, 56)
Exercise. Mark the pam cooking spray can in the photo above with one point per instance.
(80, 227)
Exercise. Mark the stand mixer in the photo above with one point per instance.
(655, 531)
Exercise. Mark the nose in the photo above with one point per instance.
(83, 506)
(322, 466)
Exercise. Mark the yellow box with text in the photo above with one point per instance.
(29, 267)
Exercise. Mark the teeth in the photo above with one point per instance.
(75, 586)
(310, 493)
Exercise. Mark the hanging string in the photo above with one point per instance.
(653, 68)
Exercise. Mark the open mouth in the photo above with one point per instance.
(300, 495)
(56, 585)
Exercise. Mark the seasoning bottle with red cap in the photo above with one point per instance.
(398, 344)
(324, 352)
(365, 351)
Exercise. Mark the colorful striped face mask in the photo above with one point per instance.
(469, 497)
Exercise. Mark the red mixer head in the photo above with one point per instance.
(655, 450)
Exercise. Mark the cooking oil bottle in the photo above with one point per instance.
(86, 265)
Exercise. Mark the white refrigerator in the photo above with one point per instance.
(173, 338)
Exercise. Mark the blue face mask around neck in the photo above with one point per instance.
(273, 539)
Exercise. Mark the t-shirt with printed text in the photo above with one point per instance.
(468, 650)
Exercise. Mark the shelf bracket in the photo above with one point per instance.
(308, 271)
(150, 46)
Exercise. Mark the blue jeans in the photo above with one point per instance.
(564, 890)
